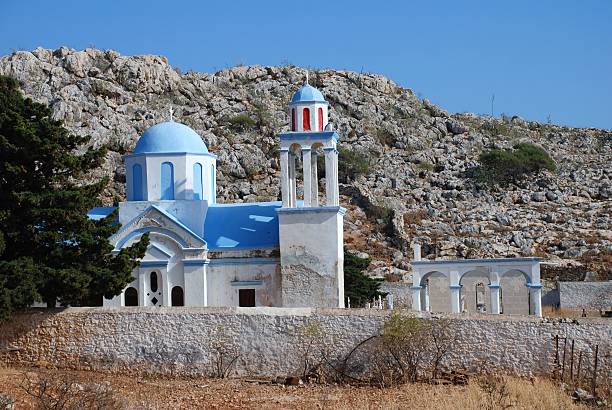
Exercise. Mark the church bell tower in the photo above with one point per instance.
(311, 227)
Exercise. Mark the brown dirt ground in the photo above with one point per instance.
(176, 393)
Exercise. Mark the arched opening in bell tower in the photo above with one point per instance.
(296, 177)
(306, 119)
(320, 118)
(317, 172)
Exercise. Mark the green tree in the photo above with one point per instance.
(49, 250)
(503, 166)
(351, 164)
(357, 286)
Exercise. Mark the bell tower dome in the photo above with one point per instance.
(308, 109)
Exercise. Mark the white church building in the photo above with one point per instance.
(202, 253)
(277, 254)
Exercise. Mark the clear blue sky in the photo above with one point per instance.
(539, 57)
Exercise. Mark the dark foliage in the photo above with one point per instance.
(241, 122)
(351, 164)
(504, 166)
(49, 250)
(357, 286)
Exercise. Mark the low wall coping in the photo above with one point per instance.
(274, 311)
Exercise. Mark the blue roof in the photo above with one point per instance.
(307, 93)
(242, 226)
(227, 226)
(100, 213)
(174, 219)
(170, 137)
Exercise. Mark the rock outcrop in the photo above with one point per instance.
(415, 157)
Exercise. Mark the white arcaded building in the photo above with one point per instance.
(495, 286)
(202, 253)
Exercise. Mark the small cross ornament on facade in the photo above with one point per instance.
(171, 110)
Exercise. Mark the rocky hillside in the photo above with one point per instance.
(407, 162)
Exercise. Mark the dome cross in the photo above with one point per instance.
(171, 111)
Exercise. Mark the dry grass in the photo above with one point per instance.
(598, 261)
(414, 217)
(167, 393)
(359, 241)
(549, 311)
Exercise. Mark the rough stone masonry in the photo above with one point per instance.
(585, 295)
(182, 340)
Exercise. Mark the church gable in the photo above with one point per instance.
(155, 219)
(156, 252)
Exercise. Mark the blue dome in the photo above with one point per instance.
(170, 137)
(307, 93)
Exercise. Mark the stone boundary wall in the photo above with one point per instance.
(402, 294)
(550, 293)
(180, 340)
(587, 295)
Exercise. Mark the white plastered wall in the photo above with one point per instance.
(225, 277)
(314, 116)
(183, 175)
(166, 257)
(312, 258)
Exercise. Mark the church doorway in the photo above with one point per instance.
(131, 297)
(178, 298)
(246, 297)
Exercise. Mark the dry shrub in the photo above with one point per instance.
(496, 391)
(393, 277)
(63, 392)
(310, 346)
(6, 401)
(225, 353)
(598, 260)
(404, 341)
(414, 217)
(408, 349)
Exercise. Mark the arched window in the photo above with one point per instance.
(167, 181)
(137, 183)
(178, 298)
(131, 297)
(153, 281)
(212, 184)
(306, 119)
(197, 181)
(293, 119)
(480, 296)
(320, 111)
